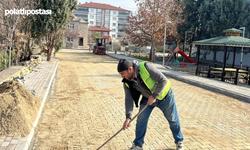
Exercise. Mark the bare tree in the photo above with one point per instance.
(11, 24)
(148, 24)
(72, 33)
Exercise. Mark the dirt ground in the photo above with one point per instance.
(86, 107)
(18, 109)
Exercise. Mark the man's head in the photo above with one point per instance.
(125, 69)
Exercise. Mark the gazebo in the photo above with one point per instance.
(221, 48)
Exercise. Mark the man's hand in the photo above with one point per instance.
(126, 123)
(151, 100)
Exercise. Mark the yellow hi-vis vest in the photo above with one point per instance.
(150, 83)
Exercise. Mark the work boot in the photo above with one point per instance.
(180, 145)
(135, 147)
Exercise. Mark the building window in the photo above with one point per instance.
(124, 13)
(122, 19)
(113, 35)
(105, 33)
(107, 25)
(114, 24)
(82, 9)
(114, 12)
(91, 22)
(99, 11)
(91, 16)
(113, 30)
(106, 18)
(92, 10)
(98, 17)
(120, 30)
(69, 39)
(98, 23)
(114, 18)
(70, 26)
(107, 12)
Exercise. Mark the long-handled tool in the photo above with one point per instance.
(122, 128)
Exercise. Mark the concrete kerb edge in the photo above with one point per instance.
(30, 136)
(131, 58)
(207, 87)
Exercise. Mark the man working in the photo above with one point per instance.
(146, 80)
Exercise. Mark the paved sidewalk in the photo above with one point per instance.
(235, 91)
(38, 81)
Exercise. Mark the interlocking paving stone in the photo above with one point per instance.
(205, 125)
(5, 144)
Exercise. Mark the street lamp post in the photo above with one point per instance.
(163, 60)
(112, 43)
(241, 58)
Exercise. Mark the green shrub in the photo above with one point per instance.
(2, 60)
(58, 46)
(141, 57)
(161, 50)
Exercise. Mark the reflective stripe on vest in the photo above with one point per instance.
(150, 83)
(127, 85)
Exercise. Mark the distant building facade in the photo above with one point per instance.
(76, 34)
(104, 15)
(104, 32)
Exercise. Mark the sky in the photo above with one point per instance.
(125, 4)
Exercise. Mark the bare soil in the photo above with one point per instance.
(18, 109)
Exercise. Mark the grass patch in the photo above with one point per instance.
(141, 57)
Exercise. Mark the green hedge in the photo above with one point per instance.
(141, 57)
(161, 50)
(1, 60)
(7, 59)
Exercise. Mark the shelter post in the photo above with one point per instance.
(214, 59)
(224, 64)
(197, 58)
(234, 57)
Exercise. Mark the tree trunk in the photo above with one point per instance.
(50, 48)
(153, 52)
(29, 48)
(5, 57)
(17, 57)
(49, 53)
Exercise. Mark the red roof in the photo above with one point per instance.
(98, 28)
(101, 6)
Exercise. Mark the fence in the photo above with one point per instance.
(230, 75)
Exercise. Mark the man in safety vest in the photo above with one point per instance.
(146, 80)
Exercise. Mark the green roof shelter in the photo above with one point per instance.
(232, 40)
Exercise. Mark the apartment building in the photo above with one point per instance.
(104, 15)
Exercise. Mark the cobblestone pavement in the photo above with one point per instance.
(86, 107)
